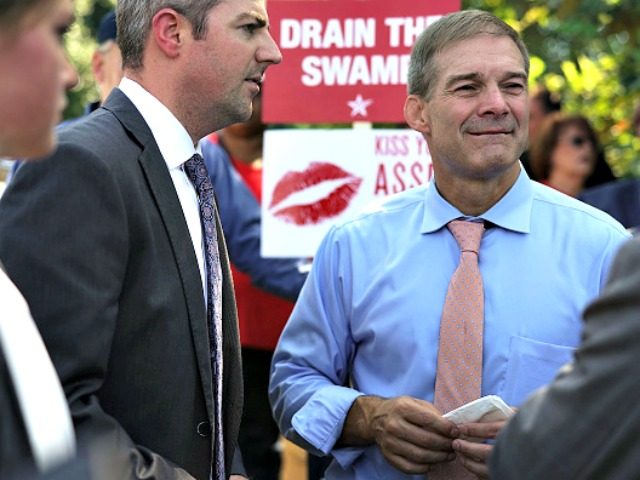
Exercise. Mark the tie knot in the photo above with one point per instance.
(196, 169)
(467, 234)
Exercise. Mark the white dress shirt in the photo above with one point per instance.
(176, 147)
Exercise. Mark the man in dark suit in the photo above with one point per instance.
(585, 424)
(111, 254)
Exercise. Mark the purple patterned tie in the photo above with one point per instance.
(459, 369)
(197, 172)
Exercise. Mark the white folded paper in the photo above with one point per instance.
(486, 409)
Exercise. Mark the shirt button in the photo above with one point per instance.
(203, 429)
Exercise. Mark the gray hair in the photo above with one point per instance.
(134, 23)
(448, 30)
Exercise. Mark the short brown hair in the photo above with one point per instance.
(134, 23)
(448, 30)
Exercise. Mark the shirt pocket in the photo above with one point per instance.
(531, 365)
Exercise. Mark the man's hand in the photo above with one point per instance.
(473, 455)
(411, 433)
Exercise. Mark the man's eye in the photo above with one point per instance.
(251, 27)
(514, 87)
(465, 88)
(62, 31)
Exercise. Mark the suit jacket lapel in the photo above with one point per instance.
(163, 191)
(232, 393)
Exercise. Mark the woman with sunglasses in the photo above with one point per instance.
(565, 153)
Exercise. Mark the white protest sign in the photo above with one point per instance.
(315, 178)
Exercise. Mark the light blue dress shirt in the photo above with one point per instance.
(368, 317)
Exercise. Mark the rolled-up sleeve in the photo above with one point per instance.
(309, 388)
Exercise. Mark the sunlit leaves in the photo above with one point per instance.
(80, 43)
(536, 69)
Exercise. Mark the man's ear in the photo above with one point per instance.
(416, 113)
(97, 66)
(168, 31)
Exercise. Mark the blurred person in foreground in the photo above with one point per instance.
(389, 333)
(36, 431)
(123, 261)
(106, 66)
(37, 439)
(35, 74)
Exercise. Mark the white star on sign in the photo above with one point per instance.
(359, 106)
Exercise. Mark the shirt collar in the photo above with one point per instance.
(512, 212)
(172, 138)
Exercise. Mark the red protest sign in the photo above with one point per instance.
(344, 60)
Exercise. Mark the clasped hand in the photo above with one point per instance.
(413, 436)
(474, 454)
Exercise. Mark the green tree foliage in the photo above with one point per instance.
(585, 50)
(81, 44)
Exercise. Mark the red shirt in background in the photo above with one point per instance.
(261, 315)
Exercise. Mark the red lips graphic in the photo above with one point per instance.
(312, 213)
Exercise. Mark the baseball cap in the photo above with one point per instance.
(107, 27)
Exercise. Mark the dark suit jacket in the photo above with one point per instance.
(586, 424)
(96, 240)
(15, 452)
(97, 462)
(620, 199)
(16, 459)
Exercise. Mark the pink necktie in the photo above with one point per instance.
(459, 369)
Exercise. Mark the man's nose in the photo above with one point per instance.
(494, 101)
(269, 52)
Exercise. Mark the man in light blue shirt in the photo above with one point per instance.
(353, 375)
